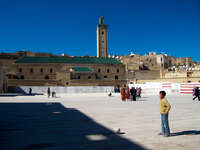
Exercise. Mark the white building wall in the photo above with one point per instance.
(170, 88)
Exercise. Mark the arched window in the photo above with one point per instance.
(46, 77)
(117, 70)
(99, 70)
(108, 70)
(51, 70)
(89, 77)
(116, 77)
(20, 70)
(41, 70)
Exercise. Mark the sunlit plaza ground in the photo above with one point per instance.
(89, 121)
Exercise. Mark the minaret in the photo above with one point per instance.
(102, 38)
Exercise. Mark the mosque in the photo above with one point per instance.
(49, 70)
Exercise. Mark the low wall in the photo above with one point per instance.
(147, 75)
(71, 89)
(170, 88)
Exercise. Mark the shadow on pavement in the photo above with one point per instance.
(35, 126)
(189, 132)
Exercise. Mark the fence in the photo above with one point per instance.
(170, 88)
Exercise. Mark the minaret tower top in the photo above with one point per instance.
(101, 20)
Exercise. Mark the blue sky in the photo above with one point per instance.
(63, 26)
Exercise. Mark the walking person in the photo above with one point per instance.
(139, 91)
(164, 111)
(127, 93)
(4, 88)
(123, 94)
(133, 94)
(109, 92)
(30, 91)
(196, 93)
(48, 92)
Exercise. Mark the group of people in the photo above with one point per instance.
(196, 93)
(49, 93)
(165, 107)
(132, 93)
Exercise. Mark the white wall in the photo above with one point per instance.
(71, 89)
(170, 88)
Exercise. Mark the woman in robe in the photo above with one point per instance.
(127, 93)
(123, 94)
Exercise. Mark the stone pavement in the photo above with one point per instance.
(88, 121)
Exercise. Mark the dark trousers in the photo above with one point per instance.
(197, 96)
(133, 97)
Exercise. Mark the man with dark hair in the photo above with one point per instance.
(133, 94)
(164, 111)
(196, 93)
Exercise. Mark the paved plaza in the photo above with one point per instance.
(89, 121)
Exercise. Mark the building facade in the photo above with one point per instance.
(67, 71)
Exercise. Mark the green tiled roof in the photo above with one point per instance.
(82, 69)
(77, 60)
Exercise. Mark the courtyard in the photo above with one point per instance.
(89, 121)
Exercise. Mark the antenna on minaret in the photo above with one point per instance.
(101, 20)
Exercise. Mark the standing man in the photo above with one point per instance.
(48, 92)
(30, 91)
(133, 94)
(196, 93)
(164, 111)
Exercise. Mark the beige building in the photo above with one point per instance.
(162, 61)
(67, 71)
(184, 61)
(155, 67)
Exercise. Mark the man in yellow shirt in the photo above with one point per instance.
(164, 111)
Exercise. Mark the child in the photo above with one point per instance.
(164, 111)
